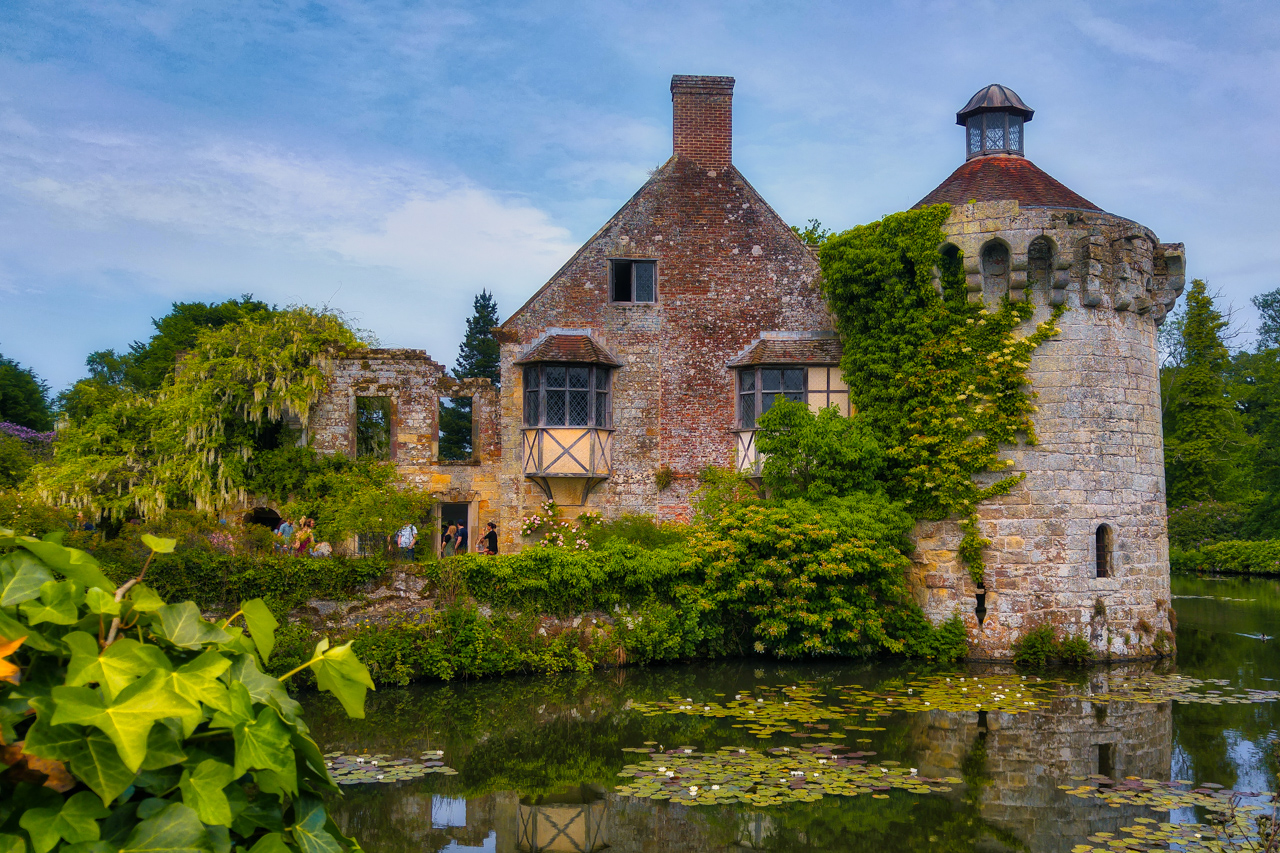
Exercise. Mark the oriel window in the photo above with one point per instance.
(759, 387)
(567, 395)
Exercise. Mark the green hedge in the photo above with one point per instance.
(1234, 557)
(214, 580)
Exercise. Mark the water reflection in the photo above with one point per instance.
(537, 759)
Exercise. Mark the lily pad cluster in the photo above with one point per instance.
(1154, 688)
(1009, 694)
(739, 774)
(367, 769)
(795, 710)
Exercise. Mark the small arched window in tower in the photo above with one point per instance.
(1103, 545)
(995, 269)
(1039, 266)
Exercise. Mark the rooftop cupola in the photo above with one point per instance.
(993, 121)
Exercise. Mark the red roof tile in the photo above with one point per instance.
(579, 348)
(788, 351)
(996, 178)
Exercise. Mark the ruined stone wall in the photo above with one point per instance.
(415, 383)
(727, 268)
(1100, 456)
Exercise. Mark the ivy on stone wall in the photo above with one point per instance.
(942, 381)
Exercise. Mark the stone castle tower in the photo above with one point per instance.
(1082, 542)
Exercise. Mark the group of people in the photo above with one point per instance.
(298, 540)
(453, 541)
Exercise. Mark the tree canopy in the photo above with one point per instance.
(24, 397)
(479, 357)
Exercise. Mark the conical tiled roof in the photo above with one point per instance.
(1005, 179)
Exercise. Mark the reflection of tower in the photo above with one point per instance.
(1081, 543)
(1012, 764)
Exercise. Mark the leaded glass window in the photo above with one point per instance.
(759, 387)
(995, 138)
(1015, 133)
(632, 281)
(567, 395)
(975, 134)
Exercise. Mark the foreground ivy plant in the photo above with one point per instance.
(131, 724)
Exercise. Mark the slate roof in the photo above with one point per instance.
(790, 351)
(997, 178)
(579, 348)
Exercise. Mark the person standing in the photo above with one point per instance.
(407, 539)
(451, 541)
(491, 540)
(462, 539)
(285, 532)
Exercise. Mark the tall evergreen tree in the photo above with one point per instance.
(1204, 433)
(478, 356)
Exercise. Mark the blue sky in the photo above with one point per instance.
(391, 159)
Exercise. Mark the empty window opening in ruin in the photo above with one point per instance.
(1039, 265)
(633, 281)
(980, 607)
(568, 395)
(373, 428)
(455, 429)
(1106, 760)
(1103, 545)
(995, 269)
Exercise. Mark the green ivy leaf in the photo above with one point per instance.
(272, 842)
(262, 626)
(12, 629)
(22, 575)
(164, 746)
(144, 599)
(263, 744)
(202, 790)
(197, 680)
(56, 604)
(98, 765)
(158, 545)
(340, 672)
(76, 821)
(309, 831)
(182, 625)
(174, 829)
(239, 708)
(101, 602)
(262, 687)
(128, 718)
(75, 564)
(118, 666)
(15, 844)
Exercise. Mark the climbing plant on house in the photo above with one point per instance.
(941, 381)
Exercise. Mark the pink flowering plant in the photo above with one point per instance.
(556, 531)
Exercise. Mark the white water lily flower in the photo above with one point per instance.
(715, 787)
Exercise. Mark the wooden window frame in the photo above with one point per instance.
(592, 389)
(613, 266)
(758, 370)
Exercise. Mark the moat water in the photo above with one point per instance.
(538, 759)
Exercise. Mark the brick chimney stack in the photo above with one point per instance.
(703, 126)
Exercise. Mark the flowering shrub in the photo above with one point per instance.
(559, 532)
(25, 434)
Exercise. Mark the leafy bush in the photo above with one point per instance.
(639, 530)
(175, 740)
(21, 510)
(1039, 646)
(1234, 557)
(802, 579)
(816, 456)
(1035, 648)
(1196, 525)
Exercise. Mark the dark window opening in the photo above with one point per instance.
(980, 607)
(995, 268)
(632, 281)
(1106, 760)
(263, 516)
(1039, 265)
(1102, 546)
(1100, 713)
(567, 395)
(455, 429)
(373, 428)
(760, 387)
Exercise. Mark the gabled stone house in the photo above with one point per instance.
(649, 355)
